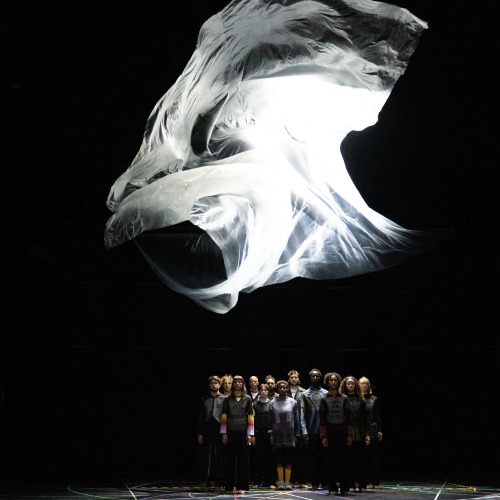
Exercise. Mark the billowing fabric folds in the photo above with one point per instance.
(246, 146)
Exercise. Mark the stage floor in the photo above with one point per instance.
(405, 490)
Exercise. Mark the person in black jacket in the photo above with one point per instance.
(265, 472)
(374, 423)
(296, 392)
(357, 454)
(335, 433)
(209, 435)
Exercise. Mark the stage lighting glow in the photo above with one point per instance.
(246, 146)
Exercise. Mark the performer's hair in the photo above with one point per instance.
(332, 374)
(282, 382)
(243, 390)
(357, 389)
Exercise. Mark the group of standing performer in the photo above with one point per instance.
(279, 434)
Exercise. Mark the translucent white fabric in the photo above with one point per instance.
(246, 146)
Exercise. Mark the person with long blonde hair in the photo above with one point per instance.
(375, 425)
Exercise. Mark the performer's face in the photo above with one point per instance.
(254, 383)
(351, 385)
(315, 378)
(333, 382)
(365, 386)
(281, 388)
(293, 380)
(214, 385)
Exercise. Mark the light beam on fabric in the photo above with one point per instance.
(246, 146)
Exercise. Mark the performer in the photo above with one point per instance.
(335, 437)
(209, 435)
(357, 454)
(226, 382)
(296, 392)
(237, 430)
(375, 424)
(285, 429)
(264, 462)
(314, 452)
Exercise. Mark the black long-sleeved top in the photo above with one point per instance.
(373, 415)
(261, 416)
(358, 417)
(333, 413)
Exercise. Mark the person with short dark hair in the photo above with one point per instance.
(314, 451)
(264, 461)
(209, 413)
(270, 381)
(253, 392)
(285, 429)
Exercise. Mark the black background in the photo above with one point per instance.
(102, 366)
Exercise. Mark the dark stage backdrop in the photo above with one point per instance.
(102, 367)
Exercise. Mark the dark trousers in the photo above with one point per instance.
(265, 471)
(357, 462)
(299, 475)
(373, 462)
(236, 461)
(212, 459)
(336, 455)
(315, 461)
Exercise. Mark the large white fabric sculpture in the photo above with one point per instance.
(246, 146)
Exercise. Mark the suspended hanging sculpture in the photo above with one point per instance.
(246, 146)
